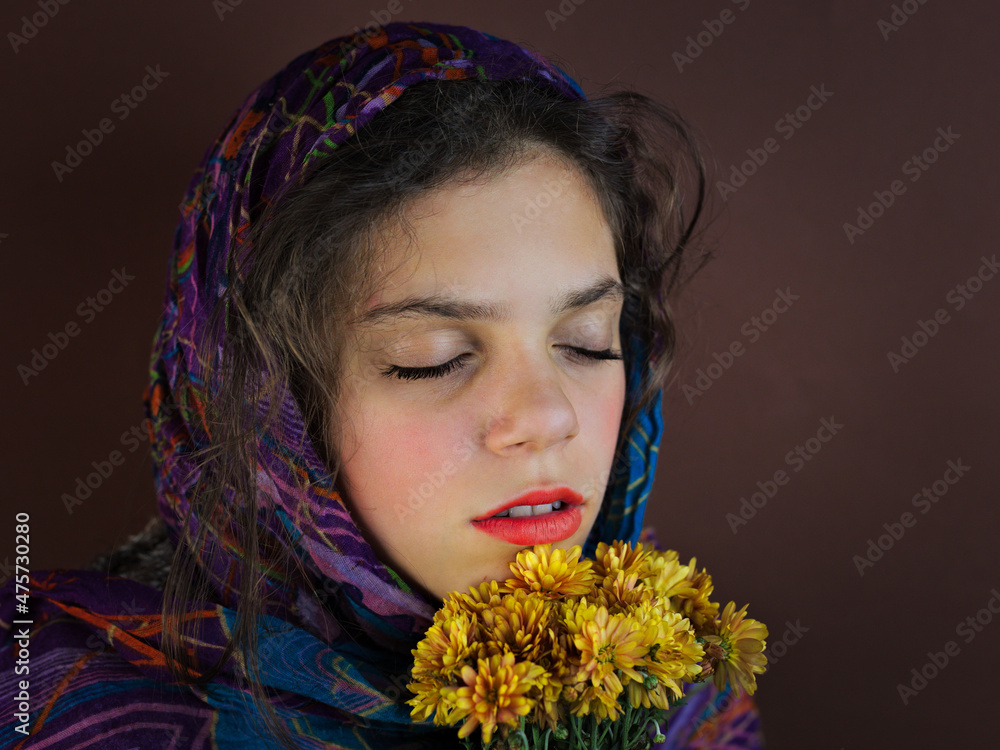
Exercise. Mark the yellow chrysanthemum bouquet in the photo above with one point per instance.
(571, 653)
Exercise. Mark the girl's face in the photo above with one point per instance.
(468, 384)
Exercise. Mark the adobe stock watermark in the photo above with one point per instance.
(58, 341)
(796, 459)
(753, 329)
(957, 296)
(914, 167)
(122, 106)
(895, 530)
(435, 480)
(787, 126)
(713, 30)
(901, 13)
(30, 26)
(87, 484)
(967, 629)
(564, 10)
(778, 648)
(223, 7)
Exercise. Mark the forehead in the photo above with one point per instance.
(535, 233)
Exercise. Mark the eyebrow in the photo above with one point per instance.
(441, 306)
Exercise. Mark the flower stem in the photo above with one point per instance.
(608, 726)
(627, 728)
(658, 738)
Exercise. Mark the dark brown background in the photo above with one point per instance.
(836, 686)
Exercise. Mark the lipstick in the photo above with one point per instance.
(553, 524)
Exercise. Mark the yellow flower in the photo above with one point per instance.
(621, 594)
(429, 699)
(554, 573)
(609, 559)
(480, 597)
(598, 699)
(547, 715)
(696, 606)
(742, 641)
(494, 694)
(519, 623)
(673, 653)
(446, 648)
(559, 655)
(565, 635)
(686, 586)
(639, 695)
(664, 572)
(607, 644)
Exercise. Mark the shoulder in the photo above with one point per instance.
(71, 689)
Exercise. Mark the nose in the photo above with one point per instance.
(532, 409)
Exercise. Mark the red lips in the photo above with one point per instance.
(550, 527)
(537, 497)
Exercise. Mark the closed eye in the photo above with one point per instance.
(588, 356)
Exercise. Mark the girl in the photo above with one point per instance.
(417, 319)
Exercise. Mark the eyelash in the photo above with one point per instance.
(439, 371)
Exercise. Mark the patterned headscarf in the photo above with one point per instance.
(306, 111)
(339, 666)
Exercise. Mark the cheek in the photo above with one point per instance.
(422, 440)
(602, 426)
(609, 412)
(407, 453)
